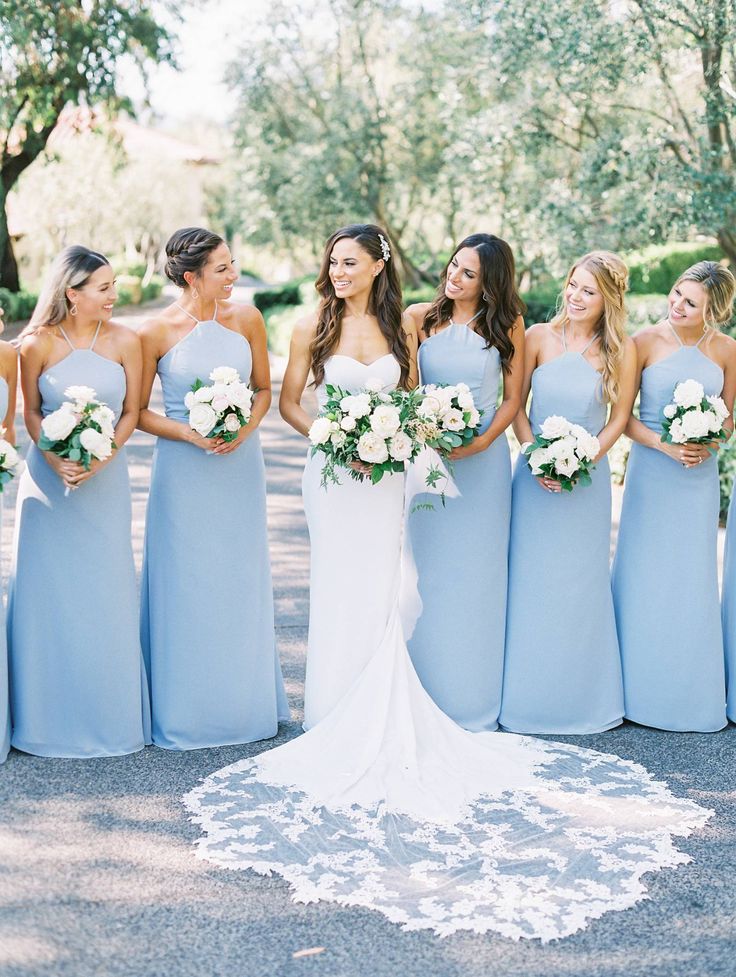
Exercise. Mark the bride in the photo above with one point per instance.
(385, 802)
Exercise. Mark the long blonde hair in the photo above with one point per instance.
(720, 288)
(612, 278)
(71, 269)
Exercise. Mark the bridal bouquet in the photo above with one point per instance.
(9, 460)
(371, 427)
(82, 429)
(219, 409)
(693, 417)
(562, 451)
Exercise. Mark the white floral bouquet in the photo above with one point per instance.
(693, 417)
(82, 429)
(371, 427)
(9, 460)
(219, 409)
(563, 451)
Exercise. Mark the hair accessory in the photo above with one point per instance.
(385, 249)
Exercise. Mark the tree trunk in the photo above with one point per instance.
(727, 240)
(8, 266)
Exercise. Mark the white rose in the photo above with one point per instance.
(225, 374)
(372, 448)
(567, 466)
(105, 417)
(60, 424)
(220, 403)
(338, 438)
(563, 448)
(669, 411)
(695, 424)
(474, 419)
(537, 459)
(204, 395)
(202, 419)
(189, 400)
(689, 393)
(80, 394)
(462, 388)
(320, 431)
(240, 395)
(714, 424)
(453, 420)
(385, 420)
(554, 427)
(429, 406)
(676, 432)
(97, 444)
(718, 407)
(232, 423)
(357, 405)
(9, 453)
(400, 447)
(588, 446)
(374, 385)
(465, 401)
(348, 423)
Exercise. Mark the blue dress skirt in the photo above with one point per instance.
(454, 567)
(562, 671)
(207, 625)
(665, 574)
(4, 690)
(77, 687)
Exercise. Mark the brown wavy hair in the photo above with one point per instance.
(500, 303)
(385, 302)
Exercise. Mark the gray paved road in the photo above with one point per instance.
(97, 874)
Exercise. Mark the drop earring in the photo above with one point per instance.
(73, 308)
(195, 293)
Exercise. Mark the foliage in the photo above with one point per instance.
(53, 54)
(657, 268)
(17, 305)
(278, 295)
(280, 322)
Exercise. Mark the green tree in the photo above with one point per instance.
(56, 52)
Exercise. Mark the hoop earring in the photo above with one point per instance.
(485, 297)
(73, 308)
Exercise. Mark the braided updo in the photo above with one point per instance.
(187, 250)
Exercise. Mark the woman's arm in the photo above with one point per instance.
(508, 409)
(296, 376)
(621, 410)
(522, 427)
(9, 370)
(411, 332)
(250, 323)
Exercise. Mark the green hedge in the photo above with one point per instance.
(17, 305)
(287, 294)
(657, 268)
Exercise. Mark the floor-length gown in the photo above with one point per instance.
(562, 672)
(665, 573)
(4, 690)
(457, 555)
(728, 608)
(386, 803)
(77, 687)
(207, 625)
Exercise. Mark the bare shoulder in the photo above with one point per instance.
(417, 312)
(240, 315)
(124, 336)
(37, 344)
(647, 337)
(156, 328)
(305, 329)
(410, 327)
(723, 342)
(536, 334)
(8, 356)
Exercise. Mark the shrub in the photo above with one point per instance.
(541, 304)
(280, 322)
(287, 294)
(424, 293)
(17, 305)
(152, 290)
(656, 268)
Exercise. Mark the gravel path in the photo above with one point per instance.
(98, 877)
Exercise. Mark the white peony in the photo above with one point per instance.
(714, 424)
(241, 396)
(429, 406)
(669, 411)
(232, 423)
(676, 432)
(695, 424)
(320, 431)
(357, 405)
(105, 417)
(80, 394)
(372, 448)
(689, 393)
(338, 438)
(554, 427)
(225, 374)
(462, 388)
(453, 420)
(400, 447)
(202, 419)
(374, 385)
(474, 418)
(465, 401)
(61, 423)
(97, 444)
(204, 395)
(567, 466)
(348, 423)
(718, 407)
(385, 421)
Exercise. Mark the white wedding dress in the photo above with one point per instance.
(386, 803)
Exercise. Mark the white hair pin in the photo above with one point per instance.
(385, 249)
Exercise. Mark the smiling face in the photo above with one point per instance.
(352, 269)
(96, 298)
(687, 305)
(216, 278)
(463, 282)
(583, 297)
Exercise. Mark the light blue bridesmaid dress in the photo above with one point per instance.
(728, 609)
(207, 625)
(77, 687)
(4, 690)
(665, 574)
(453, 595)
(562, 672)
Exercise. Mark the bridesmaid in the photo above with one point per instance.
(8, 384)
(77, 687)
(207, 624)
(562, 672)
(472, 333)
(665, 575)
